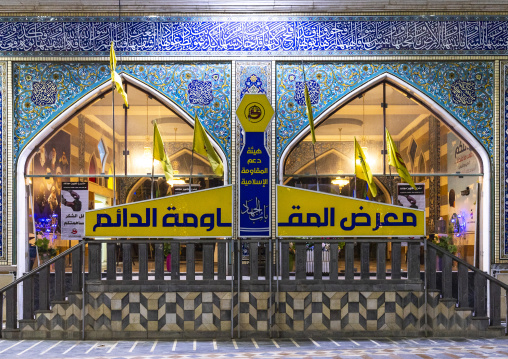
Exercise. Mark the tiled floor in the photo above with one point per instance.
(261, 348)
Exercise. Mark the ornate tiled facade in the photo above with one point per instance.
(180, 314)
(3, 176)
(42, 91)
(464, 89)
(250, 35)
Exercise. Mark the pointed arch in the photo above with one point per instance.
(100, 90)
(486, 239)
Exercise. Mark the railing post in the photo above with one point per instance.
(253, 260)
(190, 259)
(301, 257)
(396, 260)
(111, 261)
(28, 298)
(462, 286)
(44, 288)
(350, 261)
(208, 265)
(1, 312)
(60, 279)
(381, 261)
(413, 259)
(76, 270)
(143, 261)
(334, 262)
(127, 261)
(11, 317)
(175, 260)
(284, 260)
(159, 261)
(364, 262)
(318, 260)
(480, 295)
(431, 268)
(221, 257)
(94, 261)
(495, 305)
(446, 277)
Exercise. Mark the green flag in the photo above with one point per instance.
(160, 155)
(309, 113)
(201, 144)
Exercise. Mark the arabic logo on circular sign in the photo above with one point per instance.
(254, 112)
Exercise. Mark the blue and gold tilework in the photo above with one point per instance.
(42, 91)
(464, 89)
(3, 176)
(249, 35)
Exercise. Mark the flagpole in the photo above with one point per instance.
(313, 144)
(153, 145)
(191, 165)
(114, 141)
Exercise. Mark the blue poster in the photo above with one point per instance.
(254, 187)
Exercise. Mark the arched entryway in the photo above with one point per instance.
(93, 138)
(438, 151)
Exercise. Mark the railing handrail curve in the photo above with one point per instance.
(35, 270)
(469, 266)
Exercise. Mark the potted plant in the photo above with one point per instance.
(45, 248)
(446, 243)
(292, 252)
(167, 253)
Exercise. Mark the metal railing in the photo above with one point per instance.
(357, 264)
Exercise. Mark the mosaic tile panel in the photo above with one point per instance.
(3, 176)
(42, 91)
(298, 313)
(464, 89)
(249, 35)
(504, 154)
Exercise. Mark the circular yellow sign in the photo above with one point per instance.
(254, 112)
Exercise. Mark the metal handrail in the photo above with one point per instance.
(48, 263)
(469, 266)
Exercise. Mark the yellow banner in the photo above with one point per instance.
(206, 213)
(304, 213)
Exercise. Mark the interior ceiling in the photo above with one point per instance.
(252, 6)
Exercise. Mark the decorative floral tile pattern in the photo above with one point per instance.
(42, 91)
(464, 89)
(3, 176)
(249, 35)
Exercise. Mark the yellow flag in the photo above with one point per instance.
(362, 169)
(202, 145)
(160, 155)
(395, 160)
(309, 113)
(115, 77)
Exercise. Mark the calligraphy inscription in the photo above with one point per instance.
(241, 34)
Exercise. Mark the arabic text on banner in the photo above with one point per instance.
(206, 213)
(304, 213)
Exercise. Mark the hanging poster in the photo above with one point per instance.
(74, 205)
(254, 113)
(409, 197)
(51, 158)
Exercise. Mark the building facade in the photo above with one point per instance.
(437, 83)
